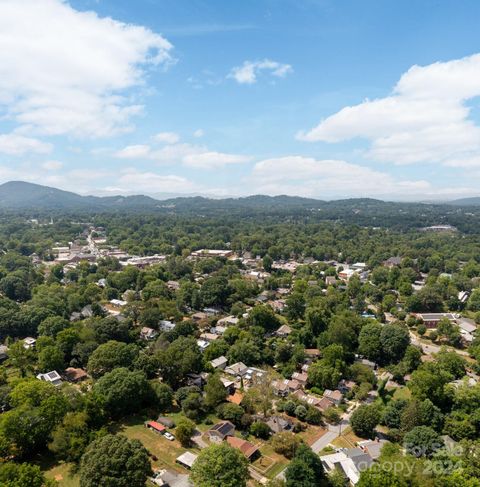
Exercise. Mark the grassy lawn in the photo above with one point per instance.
(402, 393)
(166, 451)
(61, 472)
(279, 464)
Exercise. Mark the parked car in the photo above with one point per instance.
(169, 436)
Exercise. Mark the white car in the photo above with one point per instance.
(169, 436)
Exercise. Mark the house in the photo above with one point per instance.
(228, 320)
(200, 316)
(372, 447)
(250, 450)
(346, 274)
(148, 333)
(312, 353)
(228, 384)
(155, 427)
(345, 386)
(3, 352)
(392, 262)
(53, 377)
(169, 478)
(300, 377)
(73, 374)
(351, 462)
(324, 404)
(238, 369)
(285, 387)
(430, 320)
(330, 280)
(167, 422)
(219, 363)
(280, 388)
(202, 345)
(118, 303)
(187, 459)
(173, 285)
(166, 325)
(220, 431)
(333, 396)
(29, 342)
(277, 424)
(283, 331)
(204, 253)
(209, 337)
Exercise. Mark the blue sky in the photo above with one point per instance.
(317, 98)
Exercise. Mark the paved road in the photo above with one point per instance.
(324, 440)
(429, 349)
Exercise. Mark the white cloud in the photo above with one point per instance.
(211, 160)
(167, 137)
(17, 145)
(425, 119)
(248, 72)
(139, 151)
(297, 175)
(185, 154)
(52, 165)
(63, 71)
(198, 133)
(150, 182)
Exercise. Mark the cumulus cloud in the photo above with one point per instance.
(425, 119)
(17, 145)
(63, 71)
(185, 154)
(150, 182)
(198, 133)
(298, 175)
(167, 137)
(248, 72)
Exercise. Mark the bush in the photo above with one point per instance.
(301, 412)
(421, 329)
(260, 430)
(285, 444)
(289, 407)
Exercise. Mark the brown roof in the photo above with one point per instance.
(312, 352)
(236, 398)
(247, 448)
(75, 374)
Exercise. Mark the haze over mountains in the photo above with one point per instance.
(24, 195)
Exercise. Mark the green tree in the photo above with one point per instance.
(21, 358)
(260, 430)
(305, 470)
(51, 358)
(71, 437)
(181, 357)
(114, 460)
(109, 356)
(422, 441)
(23, 475)
(364, 420)
(184, 431)
(215, 391)
(379, 477)
(122, 391)
(220, 466)
(394, 340)
(369, 344)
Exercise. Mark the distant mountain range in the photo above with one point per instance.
(24, 195)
